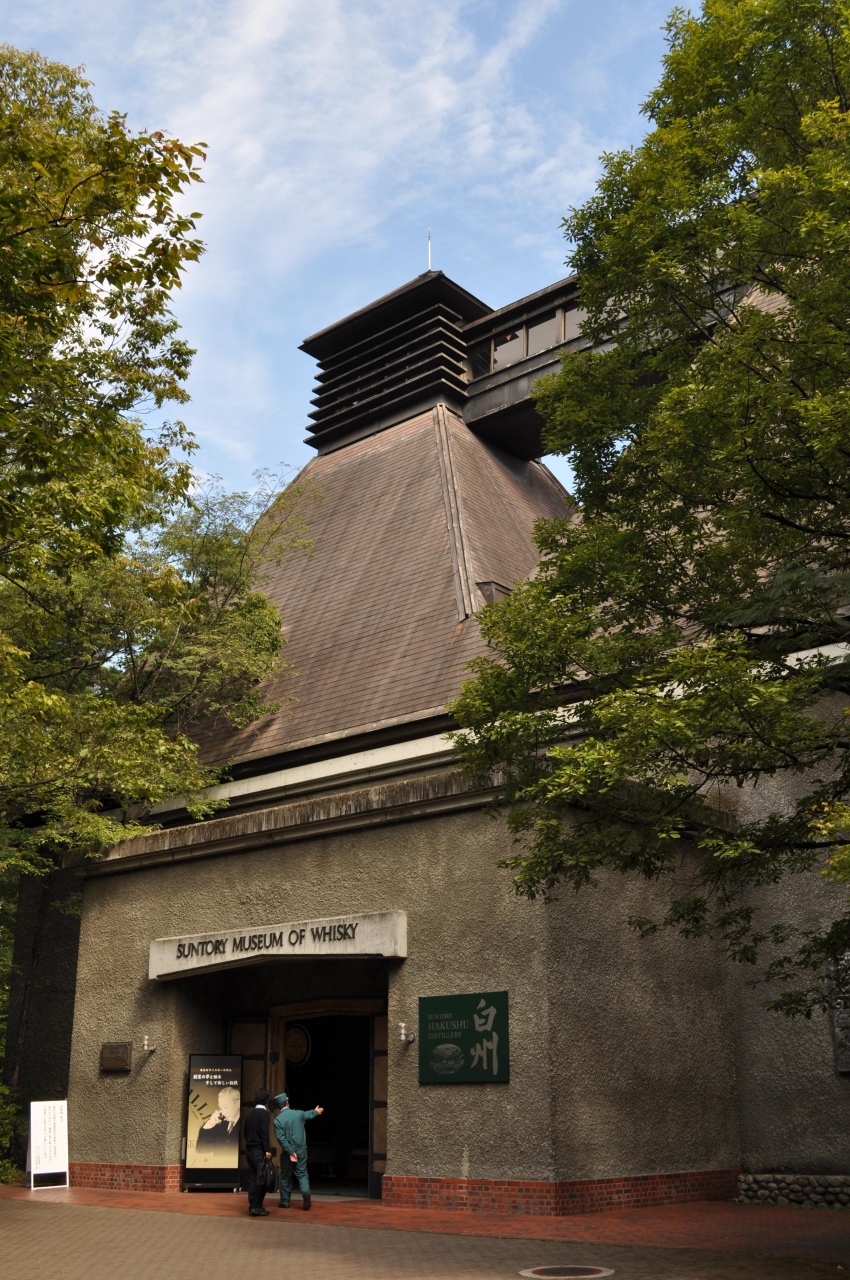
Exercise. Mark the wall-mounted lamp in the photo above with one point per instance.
(147, 1047)
(405, 1036)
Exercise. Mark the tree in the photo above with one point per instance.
(121, 667)
(640, 696)
(132, 616)
(117, 661)
(91, 248)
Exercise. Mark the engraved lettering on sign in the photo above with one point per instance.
(334, 932)
(378, 933)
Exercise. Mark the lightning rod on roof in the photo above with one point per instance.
(429, 248)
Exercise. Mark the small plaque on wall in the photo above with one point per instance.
(117, 1056)
(463, 1039)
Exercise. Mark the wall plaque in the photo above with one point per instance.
(377, 933)
(464, 1039)
(116, 1056)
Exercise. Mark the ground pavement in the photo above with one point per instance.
(81, 1235)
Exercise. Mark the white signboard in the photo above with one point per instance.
(48, 1140)
(380, 933)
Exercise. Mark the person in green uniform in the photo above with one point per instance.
(289, 1128)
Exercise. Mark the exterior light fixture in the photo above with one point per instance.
(147, 1047)
(405, 1036)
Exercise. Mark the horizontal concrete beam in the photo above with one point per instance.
(376, 933)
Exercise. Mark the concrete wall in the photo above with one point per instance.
(641, 1057)
(795, 1107)
(620, 1057)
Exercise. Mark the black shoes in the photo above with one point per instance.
(258, 1213)
(307, 1201)
(282, 1205)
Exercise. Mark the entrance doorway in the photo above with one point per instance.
(330, 1053)
(327, 1064)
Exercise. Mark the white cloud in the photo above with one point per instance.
(338, 130)
(326, 118)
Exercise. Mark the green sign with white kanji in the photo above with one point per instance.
(464, 1039)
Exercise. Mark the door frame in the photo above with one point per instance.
(301, 1011)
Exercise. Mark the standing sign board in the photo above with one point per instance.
(464, 1039)
(48, 1144)
(212, 1123)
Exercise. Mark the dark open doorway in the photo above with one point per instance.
(328, 1065)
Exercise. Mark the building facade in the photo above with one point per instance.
(349, 898)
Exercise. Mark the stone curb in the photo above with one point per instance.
(829, 1190)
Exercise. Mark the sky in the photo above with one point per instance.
(338, 132)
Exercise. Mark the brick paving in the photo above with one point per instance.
(78, 1241)
(77, 1233)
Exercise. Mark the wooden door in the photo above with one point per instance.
(378, 1119)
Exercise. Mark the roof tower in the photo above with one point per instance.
(390, 360)
(420, 522)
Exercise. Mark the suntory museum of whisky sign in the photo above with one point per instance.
(379, 933)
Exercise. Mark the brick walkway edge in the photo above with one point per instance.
(470, 1195)
(587, 1195)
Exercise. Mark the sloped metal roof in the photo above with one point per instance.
(380, 615)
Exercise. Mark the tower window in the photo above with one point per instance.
(508, 348)
(480, 358)
(543, 333)
(573, 318)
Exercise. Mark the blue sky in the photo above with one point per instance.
(338, 132)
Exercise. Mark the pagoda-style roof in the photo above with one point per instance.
(414, 529)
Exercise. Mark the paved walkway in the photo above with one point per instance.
(78, 1234)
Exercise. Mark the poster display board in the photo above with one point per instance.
(464, 1039)
(213, 1120)
(48, 1144)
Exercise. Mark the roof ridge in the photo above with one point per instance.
(462, 571)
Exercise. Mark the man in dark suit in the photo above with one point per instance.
(258, 1148)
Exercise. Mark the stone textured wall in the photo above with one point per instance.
(620, 1029)
(814, 1190)
(640, 1051)
(629, 1058)
(794, 1106)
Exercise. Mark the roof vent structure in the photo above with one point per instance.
(393, 359)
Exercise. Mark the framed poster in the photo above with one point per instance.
(48, 1144)
(464, 1039)
(213, 1120)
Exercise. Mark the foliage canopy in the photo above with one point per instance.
(707, 421)
(130, 598)
(132, 613)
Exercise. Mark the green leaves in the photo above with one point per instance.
(91, 247)
(707, 427)
(107, 669)
(131, 601)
